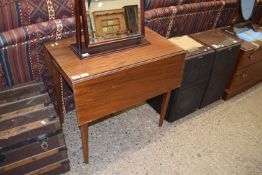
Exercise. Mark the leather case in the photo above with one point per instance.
(187, 98)
(227, 50)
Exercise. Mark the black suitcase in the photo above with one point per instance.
(227, 50)
(187, 98)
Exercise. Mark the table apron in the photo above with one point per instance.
(99, 97)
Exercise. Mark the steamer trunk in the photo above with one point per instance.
(31, 137)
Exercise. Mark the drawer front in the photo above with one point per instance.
(197, 70)
(249, 57)
(229, 93)
(243, 76)
(113, 92)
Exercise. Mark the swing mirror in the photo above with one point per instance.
(104, 26)
(112, 19)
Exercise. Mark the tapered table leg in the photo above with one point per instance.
(164, 107)
(84, 137)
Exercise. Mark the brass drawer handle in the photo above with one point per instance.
(251, 57)
(244, 76)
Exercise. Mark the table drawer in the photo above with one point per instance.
(112, 92)
(249, 57)
(246, 75)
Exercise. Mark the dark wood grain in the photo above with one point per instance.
(21, 133)
(25, 91)
(27, 115)
(30, 150)
(30, 132)
(53, 169)
(35, 162)
(24, 103)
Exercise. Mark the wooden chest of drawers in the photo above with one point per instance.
(248, 71)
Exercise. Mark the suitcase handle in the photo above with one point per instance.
(43, 142)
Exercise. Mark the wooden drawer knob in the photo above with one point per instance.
(251, 57)
(244, 75)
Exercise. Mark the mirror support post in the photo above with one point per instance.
(142, 3)
(78, 24)
(81, 23)
(84, 20)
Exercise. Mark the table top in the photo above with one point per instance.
(70, 65)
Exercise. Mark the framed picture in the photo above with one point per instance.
(110, 23)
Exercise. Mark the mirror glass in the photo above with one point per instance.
(112, 19)
(247, 7)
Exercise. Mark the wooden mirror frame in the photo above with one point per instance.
(84, 49)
